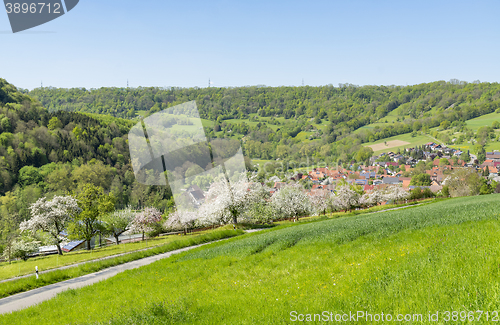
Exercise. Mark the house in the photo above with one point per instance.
(124, 238)
(195, 194)
(367, 175)
(390, 180)
(75, 245)
(361, 182)
(278, 185)
(406, 181)
(435, 188)
(47, 250)
(495, 155)
(368, 188)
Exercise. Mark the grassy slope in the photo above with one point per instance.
(25, 284)
(474, 124)
(436, 257)
(485, 120)
(420, 139)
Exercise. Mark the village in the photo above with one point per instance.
(435, 160)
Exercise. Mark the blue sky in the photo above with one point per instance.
(238, 43)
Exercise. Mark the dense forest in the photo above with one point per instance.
(339, 110)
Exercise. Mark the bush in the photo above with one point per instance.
(427, 193)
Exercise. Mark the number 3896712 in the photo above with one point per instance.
(33, 8)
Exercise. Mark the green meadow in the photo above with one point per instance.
(432, 258)
(483, 120)
(25, 284)
(418, 140)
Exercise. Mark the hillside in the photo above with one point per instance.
(291, 123)
(427, 259)
(46, 153)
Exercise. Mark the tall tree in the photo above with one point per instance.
(94, 204)
(51, 217)
(145, 220)
(118, 222)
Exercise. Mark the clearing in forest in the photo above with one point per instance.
(388, 145)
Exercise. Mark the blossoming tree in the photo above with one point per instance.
(290, 201)
(346, 198)
(181, 220)
(395, 193)
(21, 248)
(51, 217)
(320, 201)
(374, 197)
(225, 201)
(145, 220)
(118, 222)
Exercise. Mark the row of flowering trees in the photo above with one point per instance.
(92, 211)
(251, 202)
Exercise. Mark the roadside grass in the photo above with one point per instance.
(17, 268)
(439, 257)
(24, 284)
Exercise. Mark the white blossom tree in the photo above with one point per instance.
(118, 222)
(374, 197)
(290, 201)
(51, 217)
(145, 220)
(21, 248)
(225, 201)
(320, 201)
(346, 198)
(395, 193)
(181, 220)
(258, 209)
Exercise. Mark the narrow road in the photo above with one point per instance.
(33, 297)
(79, 263)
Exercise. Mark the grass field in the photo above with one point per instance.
(420, 139)
(438, 257)
(16, 268)
(24, 284)
(485, 120)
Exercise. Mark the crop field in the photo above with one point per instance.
(432, 258)
(388, 145)
(403, 141)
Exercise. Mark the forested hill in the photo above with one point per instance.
(296, 122)
(346, 105)
(32, 136)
